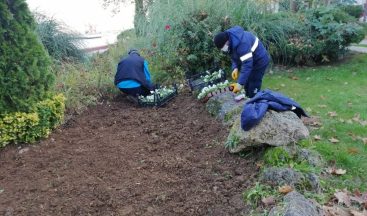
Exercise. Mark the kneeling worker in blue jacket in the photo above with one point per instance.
(133, 76)
(248, 56)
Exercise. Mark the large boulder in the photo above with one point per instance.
(224, 107)
(275, 129)
(295, 204)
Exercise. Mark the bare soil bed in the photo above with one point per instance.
(118, 159)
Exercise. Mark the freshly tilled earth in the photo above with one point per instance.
(119, 159)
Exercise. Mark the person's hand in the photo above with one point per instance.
(235, 74)
(236, 87)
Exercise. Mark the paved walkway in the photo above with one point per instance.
(360, 49)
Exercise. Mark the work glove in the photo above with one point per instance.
(235, 74)
(236, 87)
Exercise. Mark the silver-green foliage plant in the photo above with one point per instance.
(61, 43)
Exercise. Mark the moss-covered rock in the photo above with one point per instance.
(275, 129)
(225, 108)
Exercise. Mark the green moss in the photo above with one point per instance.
(277, 156)
(232, 141)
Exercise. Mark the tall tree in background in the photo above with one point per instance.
(141, 8)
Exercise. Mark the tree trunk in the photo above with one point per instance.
(293, 6)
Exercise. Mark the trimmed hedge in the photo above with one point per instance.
(20, 127)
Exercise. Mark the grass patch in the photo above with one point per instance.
(325, 91)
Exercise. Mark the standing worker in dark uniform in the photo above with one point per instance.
(133, 76)
(249, 58)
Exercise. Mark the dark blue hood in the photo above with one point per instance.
(236, 35)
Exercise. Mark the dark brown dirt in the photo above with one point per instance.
(117, 159)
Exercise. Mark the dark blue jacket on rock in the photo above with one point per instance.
(255, 109)
(247, 52)
(132, 68)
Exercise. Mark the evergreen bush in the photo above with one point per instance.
(22, 127)
(25, 75)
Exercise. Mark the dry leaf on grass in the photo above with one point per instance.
(333, 140)
(361, 199)
(322, 106)
(343, 198)
(356, 117)
(334, 171)
(353, 151)
(285, 189)
(317, 137)
(335, 211)
(358, 213)
(364, 140)
(267, 201)
(312, 121)
(332, 114)
(294, 78)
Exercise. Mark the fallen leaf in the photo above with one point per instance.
(333, 140)
(267, 201)
(356, 117)
(322, 106)
(317, 137)
(363, 123)
(343, 198)
(353, 151)
(259, 165)
(335, 211)
(285, 189)
(332, 114)
(312, 121)
(357, 213)
(294, 78)
(340, 171)
(364, 140)
(334, 171)
(322, 97)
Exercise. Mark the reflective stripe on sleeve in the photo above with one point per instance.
(256, 43)
(246, 56)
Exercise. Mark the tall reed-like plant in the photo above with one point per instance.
(61, 43)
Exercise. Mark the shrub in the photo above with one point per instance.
(61, 43)
(309, 37)
(183, 34)
(24, 65)
(333, 30)
(353, 10)
(21, 127)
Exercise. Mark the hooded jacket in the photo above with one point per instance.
(255, 109)
(247, 52)
(132, 68)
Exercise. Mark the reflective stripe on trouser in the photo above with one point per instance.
(254, 82)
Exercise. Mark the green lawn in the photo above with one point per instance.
(339, 88)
